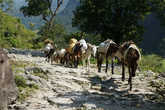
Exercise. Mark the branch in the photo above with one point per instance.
(50, 3)
(44, 18)
(59, 3)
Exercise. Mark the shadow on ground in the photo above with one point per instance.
(108, 96)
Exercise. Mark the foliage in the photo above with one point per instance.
(115, 19)
(161, 47)
(90, 38)
(152, 62)
(45, 8)
(13, 33)
(57, 33)
(5, 5)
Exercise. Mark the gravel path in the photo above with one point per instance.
(77, 89)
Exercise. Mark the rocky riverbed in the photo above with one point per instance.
(77, 89)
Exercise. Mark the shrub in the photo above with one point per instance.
(153, 62)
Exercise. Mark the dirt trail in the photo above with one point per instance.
(77, 89)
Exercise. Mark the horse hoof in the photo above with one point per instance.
(133, 75)
(123, 79)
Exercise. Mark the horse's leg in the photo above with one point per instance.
(112, 66)
(99, 62)
(83, 62)
(134, 70)
(106, 64)
(75, 61)
(88, 63)
(97, 59)
(51, 60)
(130, 77)
(123, 71)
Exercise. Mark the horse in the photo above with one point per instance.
(102, 53)
(49, 50)
(130, 57)
(91, 50)
(129, 54)
(58, 56)
(68, 57)
(77, 51)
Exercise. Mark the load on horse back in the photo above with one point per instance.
(49, 49)
(78, 50)
(69, 55)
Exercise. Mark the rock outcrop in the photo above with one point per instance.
(8, 91)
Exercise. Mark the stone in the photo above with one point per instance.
(8, 90)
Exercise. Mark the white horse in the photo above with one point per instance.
(58, 56)
(91, 50)
(48, 50)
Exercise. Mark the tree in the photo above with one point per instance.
(56, 33)
(119, 20)
(5, 5)
(44, 8)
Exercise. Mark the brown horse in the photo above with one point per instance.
(102, 50)
(76, 54)
(129, 54)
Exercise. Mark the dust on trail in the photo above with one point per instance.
(77, 89)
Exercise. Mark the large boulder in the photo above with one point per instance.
(8, 90)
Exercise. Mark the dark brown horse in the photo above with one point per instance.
(76, 54)
(129, 55)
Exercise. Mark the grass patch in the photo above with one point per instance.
(24, 89)
(21, 64)
(41, 75)
(152, 62)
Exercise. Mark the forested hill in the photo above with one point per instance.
(153, 36)
(64, 16)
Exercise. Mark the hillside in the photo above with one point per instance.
(13, 33)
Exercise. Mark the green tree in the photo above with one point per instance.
(119, 20)
(90, 38)
(45, 8)
(57, 33)
(13, 33)
(5, 5)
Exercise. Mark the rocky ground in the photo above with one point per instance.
(76, 89)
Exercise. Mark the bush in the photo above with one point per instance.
(13, 33)
(152, 62)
